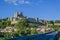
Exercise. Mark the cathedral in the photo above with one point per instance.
(20, 15)
(16, 17)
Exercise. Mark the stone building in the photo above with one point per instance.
(18, 16)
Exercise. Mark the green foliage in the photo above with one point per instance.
(55, 27)
(51, 22)
(21, 32)
(33, 31)
(57, 21)
(9, 34)
(32, 25)
(23, 20)
(4, 23)
(0, 24)
(21, 27)
(22, 23)
(1, 38)
(8, 23)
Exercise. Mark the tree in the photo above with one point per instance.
(57, 21)
(52, 22)
(8, 23)
(9, 34)
(32, 25)
(22, 23)
(44, 22)
(33, 31)
(4, 23)
(0, 24)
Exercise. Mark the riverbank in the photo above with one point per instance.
(46, 36)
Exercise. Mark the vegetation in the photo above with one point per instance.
(51, 22)
(1, 38)
(33, 31)
(23, 27)
(55, 27)
(22, 23)
(4, 23)
(57, 21)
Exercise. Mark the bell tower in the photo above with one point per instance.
(21, 14)
(16, 14)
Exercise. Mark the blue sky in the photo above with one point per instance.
(43, 9)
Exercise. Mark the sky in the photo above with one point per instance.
(43, 9)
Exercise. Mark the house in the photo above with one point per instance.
(44, 29)
(8, 29)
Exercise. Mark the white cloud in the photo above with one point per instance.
(17, 2)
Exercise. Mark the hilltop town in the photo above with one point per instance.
(19, 25)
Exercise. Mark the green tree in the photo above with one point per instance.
(8, 23)
(9, 34)
(51, 22)
(22, 24)
(33, 31)
(0, 24)
(32, 25)
(57, 21)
